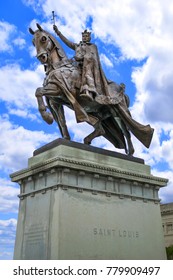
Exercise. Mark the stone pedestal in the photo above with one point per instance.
(82, 202)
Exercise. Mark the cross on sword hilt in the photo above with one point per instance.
(53, 17)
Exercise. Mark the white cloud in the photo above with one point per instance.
(10, 37)
(23, 113)
(19, 42)
(154, 86)
(141, 30)
(8, 199)
(6, 30)
(8, 223)
(16, 142)
(24, 84)
(7, 238)
(167, 150)
(105, 60)
(135, 26)
(165, 193)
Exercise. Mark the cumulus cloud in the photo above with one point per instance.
(7, 238)
(8, 199)
(8, 223)
(141, 30)
(154, 87)
(16, 142)
(19, 42)
(6, 30)
(10, 37)
(24, 83)
(105, 60)
(165, 193)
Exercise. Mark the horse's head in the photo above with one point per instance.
(45, 44)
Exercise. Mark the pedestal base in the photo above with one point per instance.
(78, 202)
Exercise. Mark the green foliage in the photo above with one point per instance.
(169, 252)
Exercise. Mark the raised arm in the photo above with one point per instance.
(63, 38)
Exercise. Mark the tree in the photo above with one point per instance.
(169, 252)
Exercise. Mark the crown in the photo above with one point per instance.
(86, 32)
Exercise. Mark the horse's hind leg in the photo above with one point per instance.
(47, 117)
(130, 151)
(98, 131)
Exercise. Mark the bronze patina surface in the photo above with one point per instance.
(81, 84)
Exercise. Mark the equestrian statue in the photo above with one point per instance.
(80, 84)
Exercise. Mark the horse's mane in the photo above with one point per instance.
(60, 50)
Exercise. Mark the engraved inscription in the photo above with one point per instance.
(104, 232)
(35, 233)
(35, 242)
(122, 233)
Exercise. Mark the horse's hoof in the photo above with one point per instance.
(67, 138)
(131, 151)
(87, 141)
(47, 117)
(88, 97)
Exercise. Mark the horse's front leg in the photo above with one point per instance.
(47, 117)
(98, 131)
(59, 117)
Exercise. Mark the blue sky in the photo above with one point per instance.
(135, 44)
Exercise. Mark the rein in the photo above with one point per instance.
(55, 65)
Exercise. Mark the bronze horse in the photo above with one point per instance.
(109, 115)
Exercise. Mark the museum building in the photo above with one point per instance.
(167, 222)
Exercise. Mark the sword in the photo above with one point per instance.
(53, 17)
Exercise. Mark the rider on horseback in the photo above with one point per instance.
(86, 55)
(108, 113)
(96, 86)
